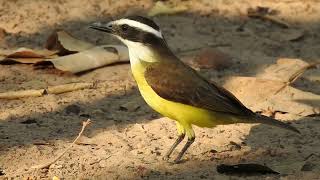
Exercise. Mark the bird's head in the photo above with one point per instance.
(132, 30)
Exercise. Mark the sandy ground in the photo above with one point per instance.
(127, 139)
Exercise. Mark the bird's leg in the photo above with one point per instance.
(174, 145)
(191, 137)
(184, 149)
(181, 135)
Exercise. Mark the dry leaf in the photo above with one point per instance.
(162, 8)
(258, 95)
(65, 43)
(283, 69)
(92, 58)
(24, 55)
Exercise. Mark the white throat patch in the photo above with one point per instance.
(139, 25)
(138, 52)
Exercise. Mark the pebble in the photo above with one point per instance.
(72, 109)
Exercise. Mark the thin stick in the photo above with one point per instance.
(296, 75)
(271, 19)
(58, 89)
(46, 165)
(199, 48)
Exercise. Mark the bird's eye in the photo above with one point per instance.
(124, 27)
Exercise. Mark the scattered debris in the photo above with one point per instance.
(244, 169)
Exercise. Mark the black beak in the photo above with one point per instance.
(102, 27)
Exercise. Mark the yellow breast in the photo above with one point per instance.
(183, 113)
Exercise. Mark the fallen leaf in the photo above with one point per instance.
(65, 43)
(25, 55)
(258, 95)
(282, 70)
(90, 59)
(245, 169)
(162, 8)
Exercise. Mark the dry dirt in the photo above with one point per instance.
(127, 139)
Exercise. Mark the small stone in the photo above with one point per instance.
(308, 166)
(72, 109)
(98, 112)
(130, 106)
(29, 121)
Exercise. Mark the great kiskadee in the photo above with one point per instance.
(174, 89)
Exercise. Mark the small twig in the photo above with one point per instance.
(199, 48)
(296, 75)
(45, 165)
(266, 13)
(271, 19)
(63, 88)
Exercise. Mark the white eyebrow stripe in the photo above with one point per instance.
(139, 25)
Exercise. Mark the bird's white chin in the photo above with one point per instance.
(138, 52)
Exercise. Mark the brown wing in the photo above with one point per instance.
(179, 83)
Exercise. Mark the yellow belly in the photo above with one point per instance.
(184, 114)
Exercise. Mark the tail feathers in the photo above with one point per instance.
(270, 121)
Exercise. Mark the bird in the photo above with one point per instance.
(174, 89)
